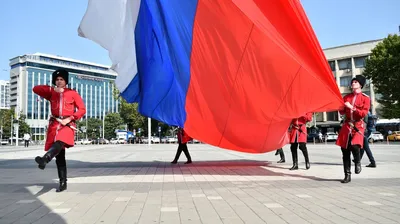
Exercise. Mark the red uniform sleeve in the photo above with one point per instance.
(308, 117)
(81, 109)
(44, 91)
(360, 113)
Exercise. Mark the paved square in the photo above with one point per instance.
(138, 184)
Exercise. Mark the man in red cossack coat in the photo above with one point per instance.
(351, 135)
(298, 138)
(66, 107)
(183, 139)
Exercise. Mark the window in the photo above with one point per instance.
(332, 65)
(344, 64)
(359, 62)
(332, 116)
(345, 81)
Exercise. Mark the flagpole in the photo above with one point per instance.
(103, 124)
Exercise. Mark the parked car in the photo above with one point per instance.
(395, 136)
(375, 136)
(121, 141)
(330, 136)
(85, 141)
(4, 142)
(113, 141)
(100, 141)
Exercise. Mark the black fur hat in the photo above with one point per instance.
(360, 79)
(60, 73)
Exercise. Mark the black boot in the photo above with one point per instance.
(50, 154)
(347, 178)
(187, 154)
(347, 170)
(277, 152)
(282, 155)
(305, 153)
(371, 165)
(294, 158)
(356, 155)
(62, 175)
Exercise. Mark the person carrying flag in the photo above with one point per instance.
(351, 135)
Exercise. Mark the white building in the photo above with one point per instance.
(4, 94)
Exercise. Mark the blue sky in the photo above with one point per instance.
(50, 26)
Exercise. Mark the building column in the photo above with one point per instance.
(353, 68)
(336, 73)
(324, 117)
(373, 100)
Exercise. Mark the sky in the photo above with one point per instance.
(50, 26)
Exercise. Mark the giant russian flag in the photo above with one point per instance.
(232, 73)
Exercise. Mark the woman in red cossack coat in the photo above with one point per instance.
(183, 139)
(66, 107)
(351, 135)
(298, 138)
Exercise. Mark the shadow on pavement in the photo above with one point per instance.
(79, 168)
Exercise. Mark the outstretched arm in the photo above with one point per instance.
(44, 91)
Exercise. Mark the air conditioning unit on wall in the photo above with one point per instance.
(348, 70)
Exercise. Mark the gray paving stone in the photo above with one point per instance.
(130, 184)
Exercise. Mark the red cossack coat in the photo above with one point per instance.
(183, 137)
(299, 128)
(361, 102)
(66, 104)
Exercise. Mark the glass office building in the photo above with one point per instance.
(94, 83)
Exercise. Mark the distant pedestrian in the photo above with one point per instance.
(27, 139)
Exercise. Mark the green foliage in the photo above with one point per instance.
(5, 121)
(383, 68)
(23, 126)
(92, 126)
(111, 122)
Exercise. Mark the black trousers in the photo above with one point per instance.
(346, 156)
(60, 159)
(184, 148)
(26, 143)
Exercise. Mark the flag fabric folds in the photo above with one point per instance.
(232, 73)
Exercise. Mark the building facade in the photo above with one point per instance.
(94, 83)
(346, 62)
(4, 94)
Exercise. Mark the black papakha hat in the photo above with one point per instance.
(60, 73)
(360, 79)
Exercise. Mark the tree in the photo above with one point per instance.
(111, 122)
(93, 128)
(383, 68)
(23, 126)
(129, 113)
(5, 119)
